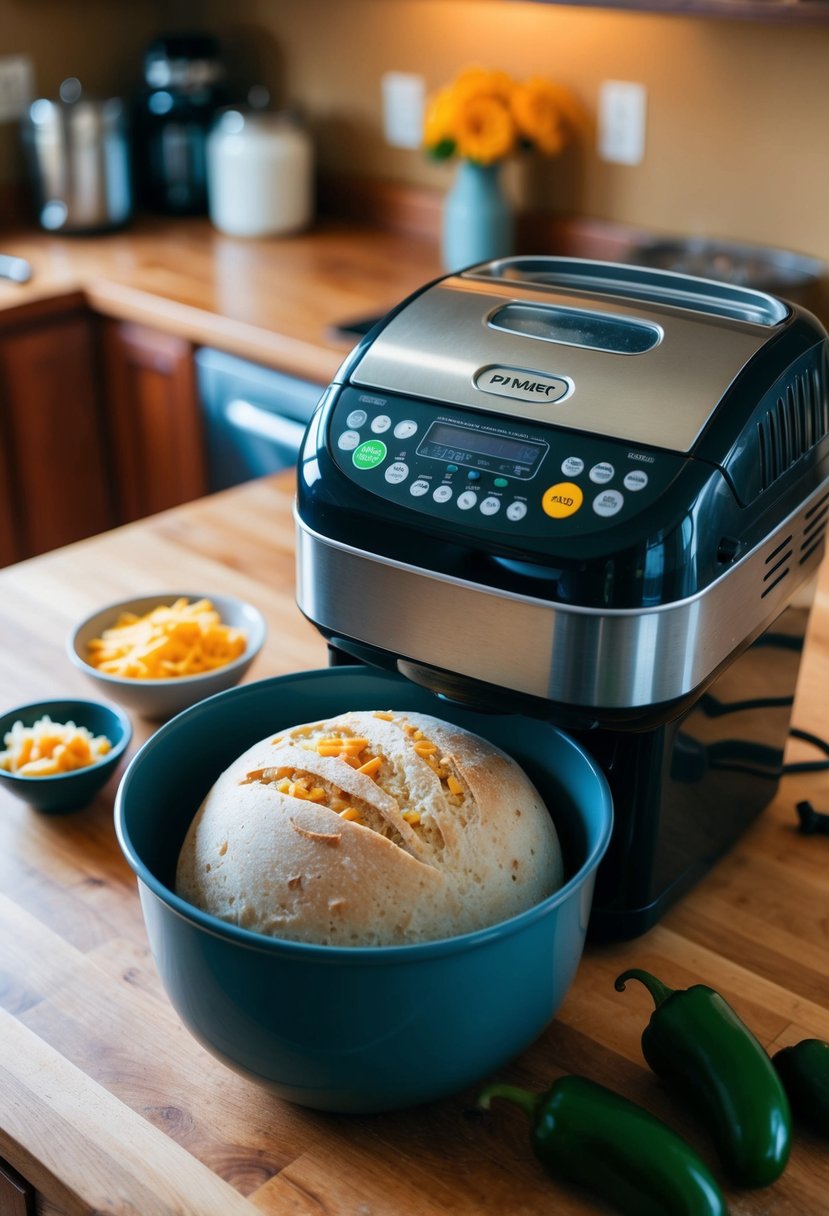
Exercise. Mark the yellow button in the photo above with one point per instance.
(562, 499)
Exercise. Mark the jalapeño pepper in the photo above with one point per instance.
(590, 1135)
(804, 1071)
(701, 1048)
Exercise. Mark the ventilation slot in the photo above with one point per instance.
(814, 530)
(798, 420)
(777, 566)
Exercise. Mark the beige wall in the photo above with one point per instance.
(737, 140)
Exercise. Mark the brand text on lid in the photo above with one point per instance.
(523, 384)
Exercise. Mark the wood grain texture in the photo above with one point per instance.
(272, 300)
(109, 1105)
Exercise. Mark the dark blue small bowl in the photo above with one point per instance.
(70, 791)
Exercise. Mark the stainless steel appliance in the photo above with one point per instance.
(595, 494)
(78, 156)
(254, 417)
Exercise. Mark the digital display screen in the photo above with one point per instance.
(484, 449)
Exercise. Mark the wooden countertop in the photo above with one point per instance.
(107, 1105)
(273, 301)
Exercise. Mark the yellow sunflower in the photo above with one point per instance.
(538, 112)
(484, 130)
(439, 122)
(475, 82)
(485, 116)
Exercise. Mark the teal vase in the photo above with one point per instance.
(477, 218)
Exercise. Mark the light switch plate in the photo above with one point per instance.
(621, 126)
(16, 86)
(404, 99)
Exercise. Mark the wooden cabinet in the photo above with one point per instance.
(9, 550)
(99, 425)
(155, 427)
(54, 485)
(17, 1197)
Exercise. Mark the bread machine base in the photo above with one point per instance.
(683, 792)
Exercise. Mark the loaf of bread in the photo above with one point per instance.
(373, 828)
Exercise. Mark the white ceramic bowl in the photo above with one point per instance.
(160, 699)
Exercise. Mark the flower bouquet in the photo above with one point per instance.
(482, 118)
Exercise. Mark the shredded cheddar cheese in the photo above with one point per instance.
(50, 747)
(182, 639)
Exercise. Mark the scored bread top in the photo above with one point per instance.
(371, 828)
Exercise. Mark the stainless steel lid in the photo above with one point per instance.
(634, 354)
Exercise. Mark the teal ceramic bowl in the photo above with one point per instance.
(65, 792)
(363, 1028)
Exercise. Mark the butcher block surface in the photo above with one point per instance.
(107, 1105)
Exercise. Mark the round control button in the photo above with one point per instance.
(405, 429)
(396, 473)
(562, 499)
(572, 466)
(636, 479)
(500, 482)
(442, 494)
(473, 475)
(381, 423)
(467, 500)
(357, 418)
(418, 488)
(490, 505)
(369, 454)
(609, 502)
(452, 468)
(516, 511)
(602, 473)
(348, 441)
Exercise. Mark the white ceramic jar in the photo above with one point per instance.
(260, 174)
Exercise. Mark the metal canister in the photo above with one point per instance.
(78, 156)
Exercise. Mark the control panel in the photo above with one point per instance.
(491, 472)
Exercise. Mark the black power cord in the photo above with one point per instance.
(811, 822)
(808, 766)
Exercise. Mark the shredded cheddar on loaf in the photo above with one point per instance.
(354, 750)
(180, 639)
(370, 827)
(371, 767)
(48, 747)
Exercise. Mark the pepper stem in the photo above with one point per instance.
(659, 991)
(521, 1097)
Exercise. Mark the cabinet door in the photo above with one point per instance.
(17, 1198)
(9, 539)
(155, 424)
(51, 429)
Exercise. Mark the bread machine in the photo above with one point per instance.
(593, 494)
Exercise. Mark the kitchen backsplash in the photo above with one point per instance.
(735, 142)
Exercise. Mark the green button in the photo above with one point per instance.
(500, 482)
(369, 454)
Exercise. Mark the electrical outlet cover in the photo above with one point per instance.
(622, 111)
(16, 86)
(404, 99)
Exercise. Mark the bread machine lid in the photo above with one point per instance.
(639, 355)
